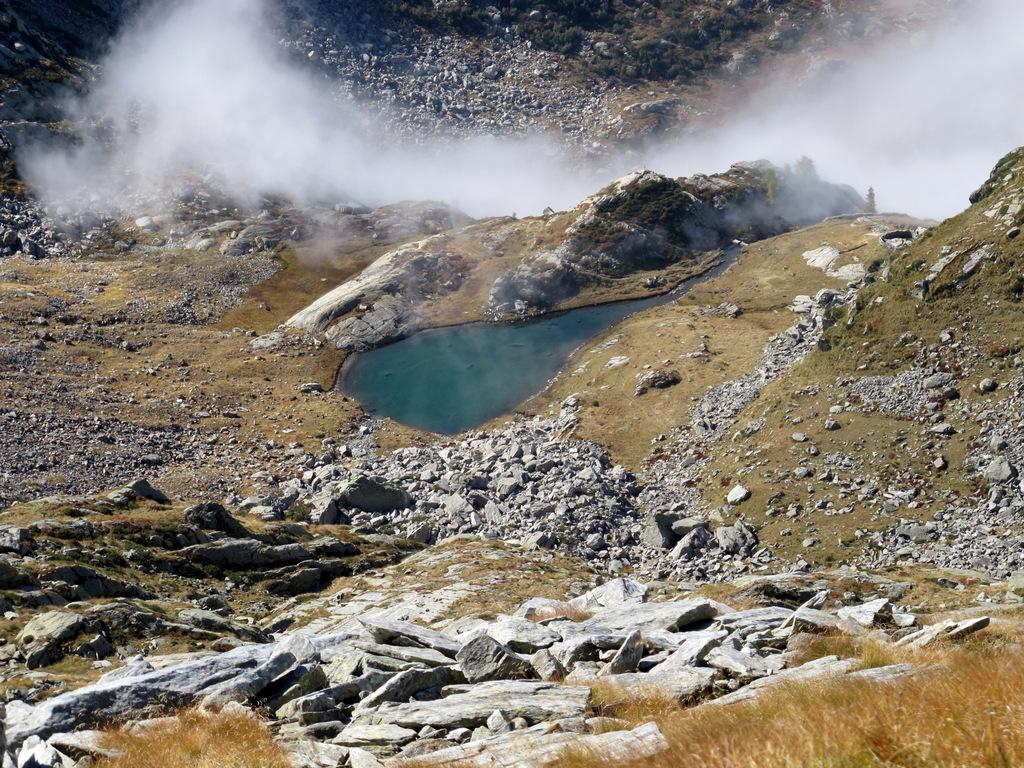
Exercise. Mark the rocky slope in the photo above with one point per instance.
(598, 78)
(379, 686)
(438, 657)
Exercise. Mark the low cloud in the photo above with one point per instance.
(922, 117)
(201, 88)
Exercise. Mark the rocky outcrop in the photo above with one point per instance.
(647, 221)
(402, 690)
(640, 223)
(382, 298)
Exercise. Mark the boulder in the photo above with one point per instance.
(740, 538)
(691, 543)
(372, 495)
(737, 495)
(612, 593)
(12, 578)
(13, 539)
(483, 658)
(385, 631)
(627, 658)
(671, 617)
(657, 531)
(547, 666)
(743, 666)
(211, 516)
(522, 635)
(681, 685)
(693, 650)
(409, 683)
(140, 489)
(999, 470)
(41, 638)
(410, 655)
(361, 758)
(868, 614)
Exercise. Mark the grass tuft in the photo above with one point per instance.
(195, 740)
(966, 711)
(560, 611)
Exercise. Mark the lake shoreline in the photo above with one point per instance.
(370, 402)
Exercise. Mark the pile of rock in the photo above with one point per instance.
(26, 229)
(986, 532)
(441, 86)
(476, 688)
(525, 482)
(522, 482)
(677, 528)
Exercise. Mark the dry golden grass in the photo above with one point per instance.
(634, 705)
(560, 611)
(967, 711)
(869, 651)
(195, 740)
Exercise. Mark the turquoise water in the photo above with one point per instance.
(447, 380)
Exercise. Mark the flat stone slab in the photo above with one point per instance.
(381, 735)
(124, 698)
(385, 631)
(771, 617)
(533, 701)
(427, 657)
(826, 666)
(533, 749)
(671, 617)
(947, 630)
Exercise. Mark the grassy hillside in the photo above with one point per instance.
(948, 303)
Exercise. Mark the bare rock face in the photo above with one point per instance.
(533, 701)
(379, 304)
